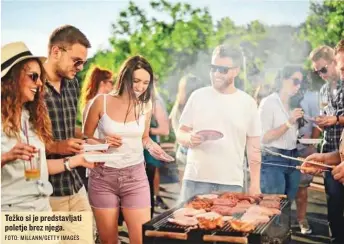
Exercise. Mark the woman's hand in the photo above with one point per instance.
(21, 151)
(158, 153)
(295, 115)
(114, 140)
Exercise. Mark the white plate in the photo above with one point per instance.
(102, 157)
(309, 141)
(96, 147)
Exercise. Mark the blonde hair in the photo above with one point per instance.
(324, 52)
(339, 47)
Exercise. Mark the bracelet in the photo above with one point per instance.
(288, 124)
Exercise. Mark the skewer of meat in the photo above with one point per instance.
(309, 170)
(296, 159)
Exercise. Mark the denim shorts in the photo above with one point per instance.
(192, 188)
(125, 187)
(280, 180)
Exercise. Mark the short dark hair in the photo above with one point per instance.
(339, 47)
(286, 72)
(68, 35)
(229, 52)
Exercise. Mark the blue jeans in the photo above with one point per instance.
(280, 180)
(335, 207)
(192, 188)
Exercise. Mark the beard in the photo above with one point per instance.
(64, 73)
(221, 84)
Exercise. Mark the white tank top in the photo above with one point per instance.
(131, 151)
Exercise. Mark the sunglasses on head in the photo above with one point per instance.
(33, 76)
(323, 70)
(220, 69)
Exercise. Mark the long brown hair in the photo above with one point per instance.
(10, 105)
(124, 82)
(91, 85)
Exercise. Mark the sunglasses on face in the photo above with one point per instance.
(323, 70)
(33, 76)
(220, 69)
(296, 81)
(77, 61)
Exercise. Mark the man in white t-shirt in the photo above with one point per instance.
(218, 165)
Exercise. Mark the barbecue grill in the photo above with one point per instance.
(276, 231)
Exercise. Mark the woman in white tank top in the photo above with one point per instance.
(98, 81)
(122, 119)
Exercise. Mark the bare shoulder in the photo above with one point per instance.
(147, 107)
(98, 102)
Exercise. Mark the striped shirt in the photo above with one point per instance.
(273, 115)
(62, 108)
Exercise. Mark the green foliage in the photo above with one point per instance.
(325, 24)
(183, 42)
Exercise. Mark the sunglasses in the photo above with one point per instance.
(296, 81)
(220, 69)
(77, 61)
(323, 70)
(33, 76)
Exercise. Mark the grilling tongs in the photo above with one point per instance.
(296, 159)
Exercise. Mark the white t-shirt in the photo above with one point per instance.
(235, 115)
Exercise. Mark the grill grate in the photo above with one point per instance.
(262, 233)
(164, 224)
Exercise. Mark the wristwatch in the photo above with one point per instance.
(337, 123)
(66, 164)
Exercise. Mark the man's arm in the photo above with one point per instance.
(254, 160)
(332, 158)
(65, 147)
(329, 120)
(78, 132)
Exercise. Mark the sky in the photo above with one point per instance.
(33, 21)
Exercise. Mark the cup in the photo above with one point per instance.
(33, 167)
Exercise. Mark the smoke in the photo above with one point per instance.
(265, 55)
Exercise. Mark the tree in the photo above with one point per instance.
(325, 24)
